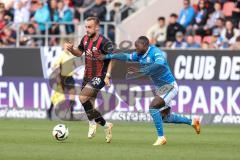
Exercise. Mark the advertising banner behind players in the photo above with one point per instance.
(209, 86)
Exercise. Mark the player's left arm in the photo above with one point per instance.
(109, 73)
(106, 48)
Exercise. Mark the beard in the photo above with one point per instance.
(141, 52)
(91, 35)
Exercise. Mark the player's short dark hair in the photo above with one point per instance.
(95, 19)
(174, 15)
(161, 18)
(143, 40)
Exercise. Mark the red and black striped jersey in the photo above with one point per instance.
(93, 66)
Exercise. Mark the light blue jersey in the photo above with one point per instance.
(153, 63)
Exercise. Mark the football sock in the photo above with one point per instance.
(92, 122)
(175, 118)
(101, 121)
(157, 119)
(93, 113)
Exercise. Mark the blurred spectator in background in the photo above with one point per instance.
(157, 34)
(114, 16)
(23, 32)
(68, 3)
(236, 45)
(9, 37)
(115, 13)
(2, 7)
(238, 27)
(200, 19)
(210, 5)
(191, 44)
(173, 28)
(219, 26)
(214, 16)
(33, 8)
(21, 12)
(205, 45)
(236, 13)
(42, 16)
(216, 41)
(229, 33)
(180, 41)
(80, 6)
(9, 11)
(98, 10)
(54, 16)
(65, 16)
(127, 9)
(2, 20)
(186, 14)
(26, 38)
(78, 3)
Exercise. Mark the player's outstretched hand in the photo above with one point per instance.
(100, 57)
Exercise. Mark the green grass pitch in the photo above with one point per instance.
(32, 140)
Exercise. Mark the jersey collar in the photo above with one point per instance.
(145, 54)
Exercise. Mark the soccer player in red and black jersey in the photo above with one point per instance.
(97, 73)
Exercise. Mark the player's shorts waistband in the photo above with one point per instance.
(161, 90)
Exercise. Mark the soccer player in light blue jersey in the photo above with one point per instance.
(154, 64)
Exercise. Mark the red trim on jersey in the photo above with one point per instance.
(99, 63)
(88, 61)
(85, 40)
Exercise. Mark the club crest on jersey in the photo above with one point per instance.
(148, 59)
(94, 49)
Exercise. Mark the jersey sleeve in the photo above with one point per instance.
(122, 56)
(133, 56)
(81, 45)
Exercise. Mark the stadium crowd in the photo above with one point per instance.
(209, 24)
(32, 16)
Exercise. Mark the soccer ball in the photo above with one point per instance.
(60, 132)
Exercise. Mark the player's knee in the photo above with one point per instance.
(157, 103)
(83, 98)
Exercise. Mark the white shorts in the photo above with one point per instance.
(167, 93)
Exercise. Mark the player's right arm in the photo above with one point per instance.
(122, 56)
(75, 51)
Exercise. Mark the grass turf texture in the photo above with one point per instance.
(32, 140)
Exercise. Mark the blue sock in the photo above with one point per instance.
(157, 119)
(175, 118)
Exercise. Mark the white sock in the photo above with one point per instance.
(106, 124)
(92, 122)
(192, 122)
(161, 137)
